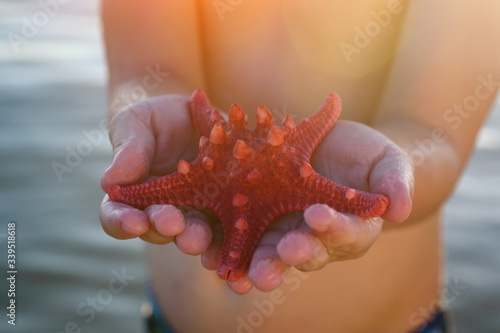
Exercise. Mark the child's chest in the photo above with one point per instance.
(303, 49)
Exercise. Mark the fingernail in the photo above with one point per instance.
(168, 220)
(319, 217)
(295, 249)
(273, 271)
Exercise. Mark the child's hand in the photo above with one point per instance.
(352, 154)
(148, 139)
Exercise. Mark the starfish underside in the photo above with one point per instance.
(251, 177)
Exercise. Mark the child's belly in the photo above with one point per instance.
(384, 291)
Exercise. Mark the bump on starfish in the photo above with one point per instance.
(251, 177)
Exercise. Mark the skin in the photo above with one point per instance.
(395, 91)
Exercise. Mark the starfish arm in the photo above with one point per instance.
(203, 114)
(241, 236)
(312, 130)
(342, 198)
(243, 229)
(175, 189)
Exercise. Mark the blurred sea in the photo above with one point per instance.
(53, 102)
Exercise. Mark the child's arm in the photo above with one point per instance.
(152, 50)
(441, 88)
(160, 36)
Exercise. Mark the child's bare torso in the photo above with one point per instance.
(288, 55)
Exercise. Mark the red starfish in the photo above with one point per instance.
(251, 177)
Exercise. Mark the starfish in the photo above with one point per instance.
(251, 177)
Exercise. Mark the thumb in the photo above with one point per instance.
(133, 142)
(393, 177)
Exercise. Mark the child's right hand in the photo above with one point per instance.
(148, 139)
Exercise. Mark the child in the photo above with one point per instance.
(421, 74)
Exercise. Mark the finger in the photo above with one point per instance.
(166, 221)
(392, 176)
(197, 236)
(303, 250)
(122, 221)
(344, 236)
(133, 146)
(242, 286)
(210, 258)
(267, 270)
